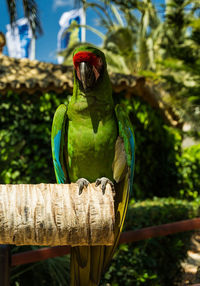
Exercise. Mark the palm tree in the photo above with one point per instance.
(131, 36)
(30, 11)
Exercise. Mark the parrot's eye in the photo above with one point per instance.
(88, 68)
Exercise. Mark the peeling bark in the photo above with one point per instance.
(55, 214)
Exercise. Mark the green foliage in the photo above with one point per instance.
(189, 168)
(158, 148)
(25, 137)
(51, 272)
(156, 261)
(162, 168)
(179, 65)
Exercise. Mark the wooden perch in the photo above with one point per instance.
(55, 214)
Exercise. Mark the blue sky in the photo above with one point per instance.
(50, 13)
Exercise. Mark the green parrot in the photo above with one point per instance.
(93, 141)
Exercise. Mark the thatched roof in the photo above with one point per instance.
(31, 76)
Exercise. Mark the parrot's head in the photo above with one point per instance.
(90, 66)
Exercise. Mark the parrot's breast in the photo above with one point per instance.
(91, 148)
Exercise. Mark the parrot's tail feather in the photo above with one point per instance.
(86, 265)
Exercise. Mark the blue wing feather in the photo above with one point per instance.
(57, 142)
(132, 145)
(58, 168)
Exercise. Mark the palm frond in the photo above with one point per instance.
(101, 8)
(102, 19)
(131, 19)
(32, 13)
(117, 15)
(53, 271)
(12, 10)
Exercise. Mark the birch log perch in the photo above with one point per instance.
(55, 214)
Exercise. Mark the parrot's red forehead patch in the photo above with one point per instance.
(87, 57)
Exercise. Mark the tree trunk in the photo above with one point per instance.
(55, 214)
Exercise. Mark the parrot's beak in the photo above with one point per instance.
(87, 75)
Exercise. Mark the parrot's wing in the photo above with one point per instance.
(57, 143)
(124, 159)
(123, 169)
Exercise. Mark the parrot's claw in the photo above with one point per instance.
(81, 184)
(103, 182)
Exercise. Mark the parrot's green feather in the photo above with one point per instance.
(91, 139)
(127, 134)
(124, 130)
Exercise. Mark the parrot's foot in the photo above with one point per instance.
(103, 182)
(81, 184)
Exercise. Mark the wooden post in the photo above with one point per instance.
(5, 263)
(55, 214)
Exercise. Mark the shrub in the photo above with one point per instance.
(158, 148)
(25, 137)
(156, 261)
(189, 169)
